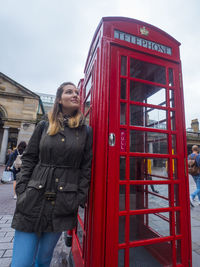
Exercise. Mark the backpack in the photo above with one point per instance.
(18, 162)
(193, 169)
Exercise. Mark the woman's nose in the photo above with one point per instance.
(75, 94)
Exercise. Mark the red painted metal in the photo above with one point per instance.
(98, 242)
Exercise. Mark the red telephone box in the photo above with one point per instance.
(138, 211)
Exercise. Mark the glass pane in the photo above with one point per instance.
(177, 222)
(173, 144)
(171, 98)
(176, 195)
(148, 142)
(87, 104)
(142, 168)
(122, 222)
(172, 117)
(87, 118)
(171, 80)
(146, 93)
(123, 88)
(88, 86)
(122, 197)
(81, 213)
(147, 71)
(174, 168)
(123, 65)
(80, 234)
(121, 258)
(178, 252)
(154, 255)
(149, 196)
(156, 225)
(148, 117)
(122, 173)
(122, 113)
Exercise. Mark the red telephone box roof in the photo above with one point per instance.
(135, 21)
(133, 27)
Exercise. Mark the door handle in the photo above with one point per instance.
(111, 139)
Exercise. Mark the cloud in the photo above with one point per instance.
(46, 42)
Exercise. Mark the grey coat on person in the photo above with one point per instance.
(54, 179)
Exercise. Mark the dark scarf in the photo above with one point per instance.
(65, 119)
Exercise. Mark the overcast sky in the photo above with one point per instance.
(45, 42)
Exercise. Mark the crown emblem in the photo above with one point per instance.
(144, 31)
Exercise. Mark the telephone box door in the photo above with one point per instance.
(147, 213)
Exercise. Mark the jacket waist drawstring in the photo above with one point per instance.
(58, 166)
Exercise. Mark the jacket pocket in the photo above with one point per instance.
(20, 188)
(29, 202)
(66, 200)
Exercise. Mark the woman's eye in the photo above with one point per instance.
(68, 92)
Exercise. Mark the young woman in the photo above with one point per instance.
(53, 181)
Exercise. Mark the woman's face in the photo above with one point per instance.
(70, 99)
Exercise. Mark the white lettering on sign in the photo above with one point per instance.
(142, 42)
(122, 140)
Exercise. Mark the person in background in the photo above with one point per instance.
(9, 151)
(10, 163)
(54, 180)
(195, 153)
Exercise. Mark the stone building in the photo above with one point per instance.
(193, 135)
(20, 109)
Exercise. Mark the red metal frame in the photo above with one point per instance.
(100, 227)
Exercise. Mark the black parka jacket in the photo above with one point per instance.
(54, 179)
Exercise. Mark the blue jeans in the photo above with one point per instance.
(197, 191)
(31, 250)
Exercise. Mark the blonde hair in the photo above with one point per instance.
(55, 116)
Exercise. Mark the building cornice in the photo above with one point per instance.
(2, 75)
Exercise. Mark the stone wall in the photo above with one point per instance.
(18, 111)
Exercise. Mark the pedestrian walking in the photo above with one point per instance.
(11, 166)
(194, 170)
(9, 151)
(53, 181)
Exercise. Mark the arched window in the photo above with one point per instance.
(2, 115)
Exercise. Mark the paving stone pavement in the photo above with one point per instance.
(6, 245)
(195, 226)
(7, 205)
(6, 240)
